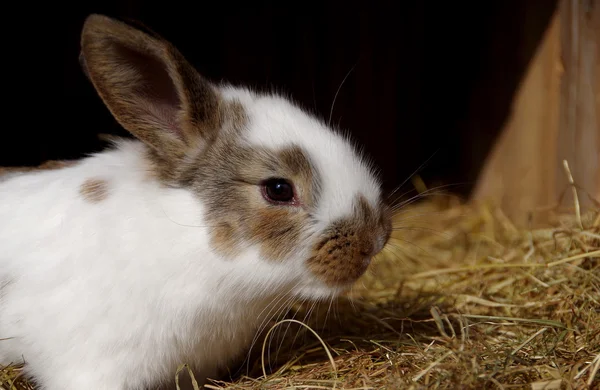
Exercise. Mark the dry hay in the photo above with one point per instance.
(460, 299)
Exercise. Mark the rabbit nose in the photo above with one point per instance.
(366, 261)
(379, 244)
(366, 253)
(367, 250)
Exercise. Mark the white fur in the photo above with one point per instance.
(116, 294)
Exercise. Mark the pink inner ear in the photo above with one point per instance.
(163, 115)
(155, 90)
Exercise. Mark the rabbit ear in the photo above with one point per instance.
(83, 66)
(149, 87)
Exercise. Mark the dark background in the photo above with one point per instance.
(425, 78)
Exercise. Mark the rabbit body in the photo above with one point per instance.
(122, 291)
(179, 245)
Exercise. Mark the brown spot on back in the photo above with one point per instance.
(56, 164)
(48, 165)
(343, 254)
(94, 190)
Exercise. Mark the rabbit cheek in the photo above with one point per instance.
(225, 239)
(278, 232)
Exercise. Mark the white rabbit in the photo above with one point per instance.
(173, 247)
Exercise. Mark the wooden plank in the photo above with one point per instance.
(514, 176)
(579, 135)
(554, 117)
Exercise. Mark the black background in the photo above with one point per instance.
(424, 77)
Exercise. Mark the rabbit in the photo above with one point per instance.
(173, 245)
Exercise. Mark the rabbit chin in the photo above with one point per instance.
(316, 290)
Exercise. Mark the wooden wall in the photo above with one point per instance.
(555, 118)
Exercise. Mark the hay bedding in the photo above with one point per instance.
(460, 299)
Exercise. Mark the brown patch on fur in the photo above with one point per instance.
(234, 115)
(345, 251)
(225, 239)
(228, 178)
(48, 165)
(94, 190)
(300, 167)
(56, 164)
(278, 231)
(152, 91)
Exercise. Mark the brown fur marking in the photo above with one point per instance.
(278, 231)
(300, 167)
(94, 190)
(344, 253)
(228, 179)
(225, 239)
(48, 165)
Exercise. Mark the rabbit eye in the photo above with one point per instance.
(278, 191)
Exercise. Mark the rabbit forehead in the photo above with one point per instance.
(275, 123)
